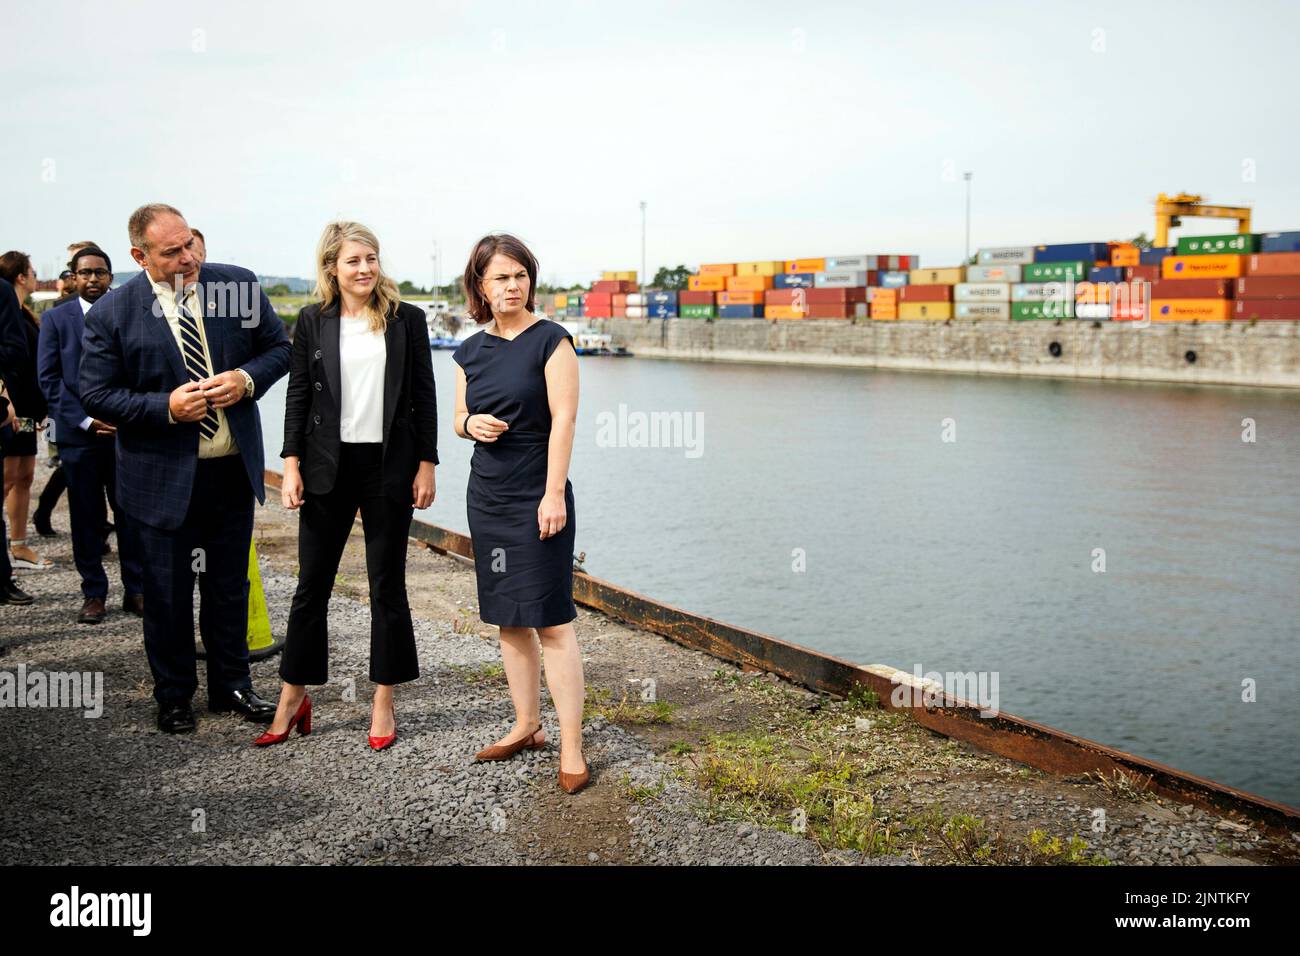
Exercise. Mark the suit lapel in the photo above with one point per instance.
(160, 330)
(394, 366)
(329, 348)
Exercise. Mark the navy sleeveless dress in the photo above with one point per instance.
(523, 581)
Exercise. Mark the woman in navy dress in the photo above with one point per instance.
(517, 400)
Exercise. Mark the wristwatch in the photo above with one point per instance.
(248, 383)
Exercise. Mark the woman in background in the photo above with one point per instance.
(31, 409)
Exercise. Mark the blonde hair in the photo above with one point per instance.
(385, 297)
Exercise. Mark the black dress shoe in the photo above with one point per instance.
(41, 522)
(11, 593)
(244, 702)
(176, 718)
(133, 604)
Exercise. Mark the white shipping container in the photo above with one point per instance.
(638, 312)
(1092, 310)
(1038, 292)
(993, 273)
(841, 263)
(982, 292)
(637, 298)
(983, 310)
(1006, 255)
(840, 280)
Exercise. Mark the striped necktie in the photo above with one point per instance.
(195, 362)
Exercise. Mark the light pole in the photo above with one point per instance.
(644, 278)
(967, 176)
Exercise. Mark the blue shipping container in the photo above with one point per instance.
(663, 310)
(1106, 274)
(1156, 255)
(740, 311)
(1073, 251)
(1279, 242)
(893, 280)
(793, 280)
(663, 298)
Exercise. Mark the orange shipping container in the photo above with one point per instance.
(883, 314)
(877, 294)
(806, 265)
(1201, 267)
(785, 312)
(1185, 310)
(1274, 264)
(719, 269)
(740, 298)
(1125, 255)
(750, 283)
(707, 283)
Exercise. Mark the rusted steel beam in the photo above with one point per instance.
(1036, 745)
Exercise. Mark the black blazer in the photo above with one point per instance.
(313, 404)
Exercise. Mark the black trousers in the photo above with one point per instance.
(212, 543)
(91, 474)
(323, 526)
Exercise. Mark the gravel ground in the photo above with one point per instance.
(113, 790)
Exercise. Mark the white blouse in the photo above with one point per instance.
(361, 362)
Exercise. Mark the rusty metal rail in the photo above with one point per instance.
(1036, 745)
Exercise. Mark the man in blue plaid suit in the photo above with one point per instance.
(176, 359)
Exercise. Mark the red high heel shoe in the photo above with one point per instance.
(301, 720)
(379, 743)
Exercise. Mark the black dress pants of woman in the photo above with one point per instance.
(324, 524)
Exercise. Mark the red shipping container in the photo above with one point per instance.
(925, 293)
(835, 296)
(687, 297)
(1268, 287)
(1192, 289)
(620, 312)
(598, 299)
(613, 285)
(1143, 273)
(830, 311)
(1273, 264)
(598, 312)
(1267, 308)
(781, 296)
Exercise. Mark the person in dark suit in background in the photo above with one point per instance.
(175, 359)
(57, 483)
(360, 431)
(86, 445)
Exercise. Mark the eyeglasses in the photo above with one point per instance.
(93, 273)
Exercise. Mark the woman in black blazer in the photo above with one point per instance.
(360, 431)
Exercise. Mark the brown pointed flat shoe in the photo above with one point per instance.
(573, 782)
(506, 751)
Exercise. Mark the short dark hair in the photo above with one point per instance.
(487, 247)
(142, 217)
(197, 233)
(90, 251)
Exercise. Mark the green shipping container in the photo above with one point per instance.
(1020, 311)
(699, 311)
(1232, 244)
(1053, 271)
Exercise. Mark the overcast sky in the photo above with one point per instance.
(753, 130)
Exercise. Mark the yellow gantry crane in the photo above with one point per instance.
(1171, 209)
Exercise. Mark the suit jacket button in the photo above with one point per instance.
(319, 386)
(316, 419)
(318, 353)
